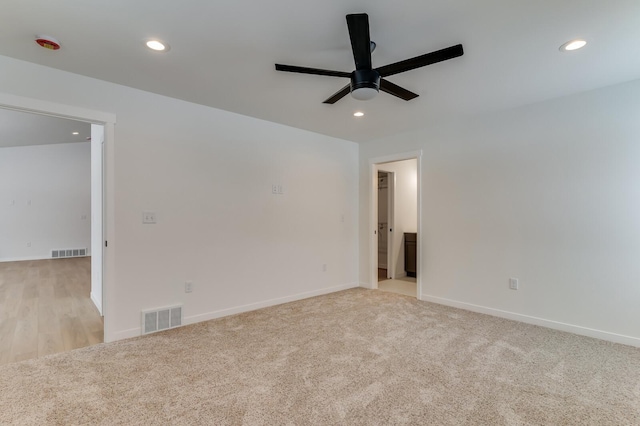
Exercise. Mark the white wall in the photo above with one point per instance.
(45, 200)
(547, 193)
(405, 206)
(208, 175)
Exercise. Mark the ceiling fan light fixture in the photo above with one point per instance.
(573, 45)
(365, 84)
(364, 93)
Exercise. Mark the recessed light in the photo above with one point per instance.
(157, 45)
(75, 133)
(573, 45)
(358, 114)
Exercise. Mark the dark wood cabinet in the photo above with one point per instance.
(410, 259)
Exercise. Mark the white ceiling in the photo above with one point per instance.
(223, 53)
(22, 129)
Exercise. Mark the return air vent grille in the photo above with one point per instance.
(64, 253)
(161, 319)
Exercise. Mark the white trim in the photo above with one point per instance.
(134, 332)
(419, 273)
(373, 224)
(396, 157)
(97, 213)
(97, 301)
(391, 223)
(555, 325)
(37, 106)
(126, 334)
(21, 259)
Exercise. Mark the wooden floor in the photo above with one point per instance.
(45, 308)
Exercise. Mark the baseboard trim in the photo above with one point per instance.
(556, 325)
(20, 259)
(96, 301)
(265, 304)
(135, 332)
(124, 334)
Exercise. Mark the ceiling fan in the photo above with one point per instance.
(366, 81)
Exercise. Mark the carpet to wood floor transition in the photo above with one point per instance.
(357, 357)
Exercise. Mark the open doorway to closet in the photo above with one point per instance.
(396, 212)
(386, 270)
(51, 245)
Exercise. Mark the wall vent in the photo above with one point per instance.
(161, 319)
(64, 253)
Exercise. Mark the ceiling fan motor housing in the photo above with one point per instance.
(365, 84)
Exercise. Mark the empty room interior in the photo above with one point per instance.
(45, 261)
(328, 213)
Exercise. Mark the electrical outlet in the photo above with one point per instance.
(188, 287)
(324, 267)
(274, 189)
(28, 244)
(149, 217)
(513, 283)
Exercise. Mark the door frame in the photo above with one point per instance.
(108, 120)
(376, 164)
(391, 187)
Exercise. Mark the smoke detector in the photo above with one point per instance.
(48, 42)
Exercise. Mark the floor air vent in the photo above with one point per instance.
(64, 253)
(161, 319)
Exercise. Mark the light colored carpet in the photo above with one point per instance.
(357, 357)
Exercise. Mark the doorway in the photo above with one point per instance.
(51, 265)
(395, 214)
(386, 185)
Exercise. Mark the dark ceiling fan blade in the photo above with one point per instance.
(360, 41)
(395, 90)
(421, 61)
(315, 71)
(338, 95)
